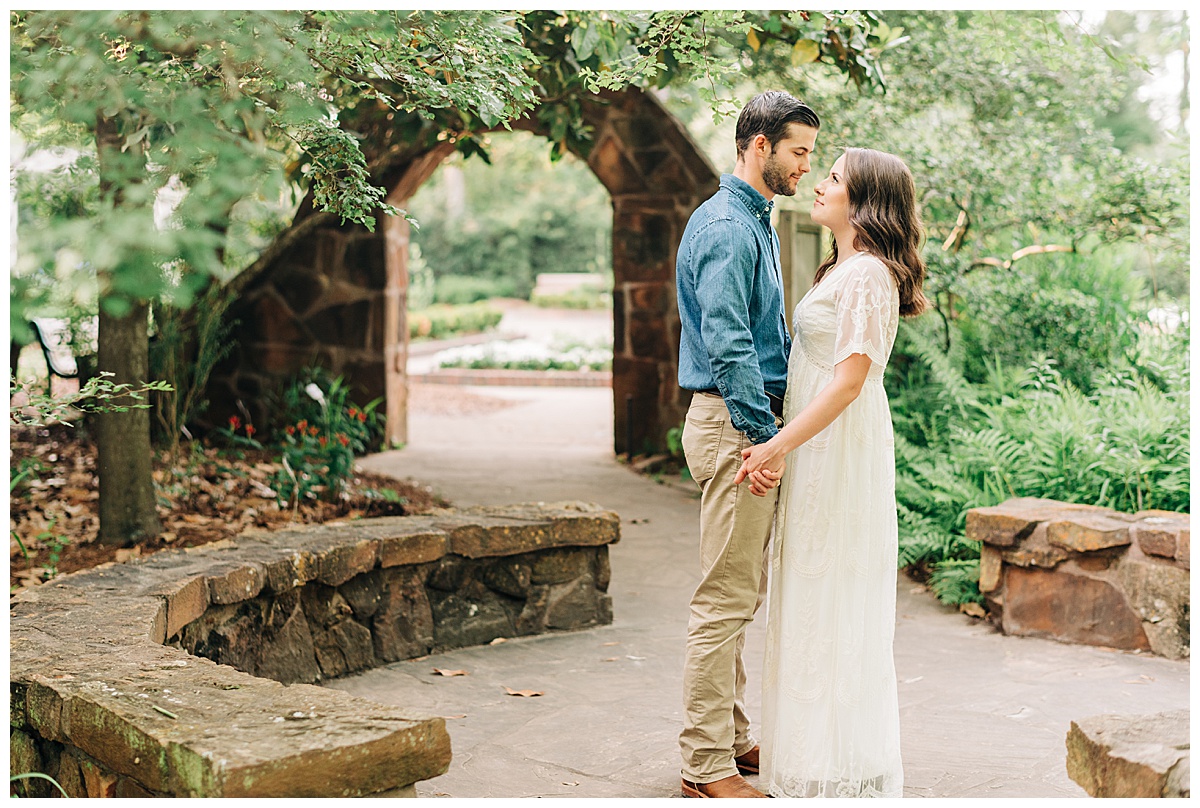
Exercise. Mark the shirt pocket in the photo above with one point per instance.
(701, 441)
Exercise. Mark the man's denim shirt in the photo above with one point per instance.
(734, 336)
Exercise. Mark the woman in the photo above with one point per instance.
(831, 719)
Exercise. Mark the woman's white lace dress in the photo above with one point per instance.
(831, 722)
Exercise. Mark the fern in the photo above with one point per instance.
(1030, 433)
(956, 581)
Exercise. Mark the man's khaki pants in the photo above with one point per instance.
(735, 529)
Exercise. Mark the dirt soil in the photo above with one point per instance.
(209, 495)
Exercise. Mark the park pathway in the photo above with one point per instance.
(982, 715)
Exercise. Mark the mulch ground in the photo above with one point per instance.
(209, 495)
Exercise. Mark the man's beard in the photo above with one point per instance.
(776, 178)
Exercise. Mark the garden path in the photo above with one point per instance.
(982, 715)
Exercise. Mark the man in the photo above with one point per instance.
(733, 353)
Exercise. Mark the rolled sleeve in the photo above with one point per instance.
(724, 264)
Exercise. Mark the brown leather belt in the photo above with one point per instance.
(776, 401)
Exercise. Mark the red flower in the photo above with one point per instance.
(323, 440)
(303, 425)
(312, 430)
(249, 430)
(234, 423)
(362, 417)
(291, 430)
(342, 439)
(353, 411)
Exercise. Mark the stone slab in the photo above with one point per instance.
(1131, 755)
(1085, 533)
(1006, 524)
(1074, 608)
(1159, 592)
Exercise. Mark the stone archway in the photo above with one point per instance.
(335, 295)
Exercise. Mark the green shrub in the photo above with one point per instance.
(458, 290)
(442, 321)
(1073, 308)
(583, 298)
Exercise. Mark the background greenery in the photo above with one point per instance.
(1054, 192)
(478, 243)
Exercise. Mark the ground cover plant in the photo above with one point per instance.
(300, 469)
(211, 493)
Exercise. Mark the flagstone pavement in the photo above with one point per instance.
(981, 714)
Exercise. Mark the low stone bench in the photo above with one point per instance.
(1086, 574)
(147, 678)
(1131, 755)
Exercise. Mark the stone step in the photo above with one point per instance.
(1131, 755)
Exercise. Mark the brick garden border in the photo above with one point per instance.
(99, 700)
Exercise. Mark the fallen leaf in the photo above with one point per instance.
(916, 590)
(444, 672)
(498, 640)
(168, 537)
(525, 693)
(972, 610)
(124, 555)
(612, 659)
(614, 642)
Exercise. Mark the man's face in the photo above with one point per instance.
(788, 161)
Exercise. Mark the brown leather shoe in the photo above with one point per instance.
(732, 786)
(747, 763)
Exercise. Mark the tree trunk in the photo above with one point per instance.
(127, 510)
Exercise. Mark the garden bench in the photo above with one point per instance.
(151, 678)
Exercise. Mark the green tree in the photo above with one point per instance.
(214, 104)
(229, 109)
(988, 110)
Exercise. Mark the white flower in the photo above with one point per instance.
(315, 394)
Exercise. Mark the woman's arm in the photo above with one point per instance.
(848, 378)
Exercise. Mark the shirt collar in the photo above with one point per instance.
(756, 203)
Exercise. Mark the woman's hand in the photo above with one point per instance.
(763, 464)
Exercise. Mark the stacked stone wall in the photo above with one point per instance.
(112, 694)
(1086, 574)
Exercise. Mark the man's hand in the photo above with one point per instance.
(761, 482)
(763, 465)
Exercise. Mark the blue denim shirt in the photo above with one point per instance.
(733, 335)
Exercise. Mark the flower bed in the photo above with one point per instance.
(527, 354)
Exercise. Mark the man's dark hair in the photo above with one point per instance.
(770, 114)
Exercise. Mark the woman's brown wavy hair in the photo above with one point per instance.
(883, 212)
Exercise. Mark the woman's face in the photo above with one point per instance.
(832, 206)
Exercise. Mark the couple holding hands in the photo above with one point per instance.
(791, 444)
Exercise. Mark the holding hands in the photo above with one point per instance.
(763, 466)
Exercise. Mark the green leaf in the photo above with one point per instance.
(585, 44)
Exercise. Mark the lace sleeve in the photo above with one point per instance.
(863, 311)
